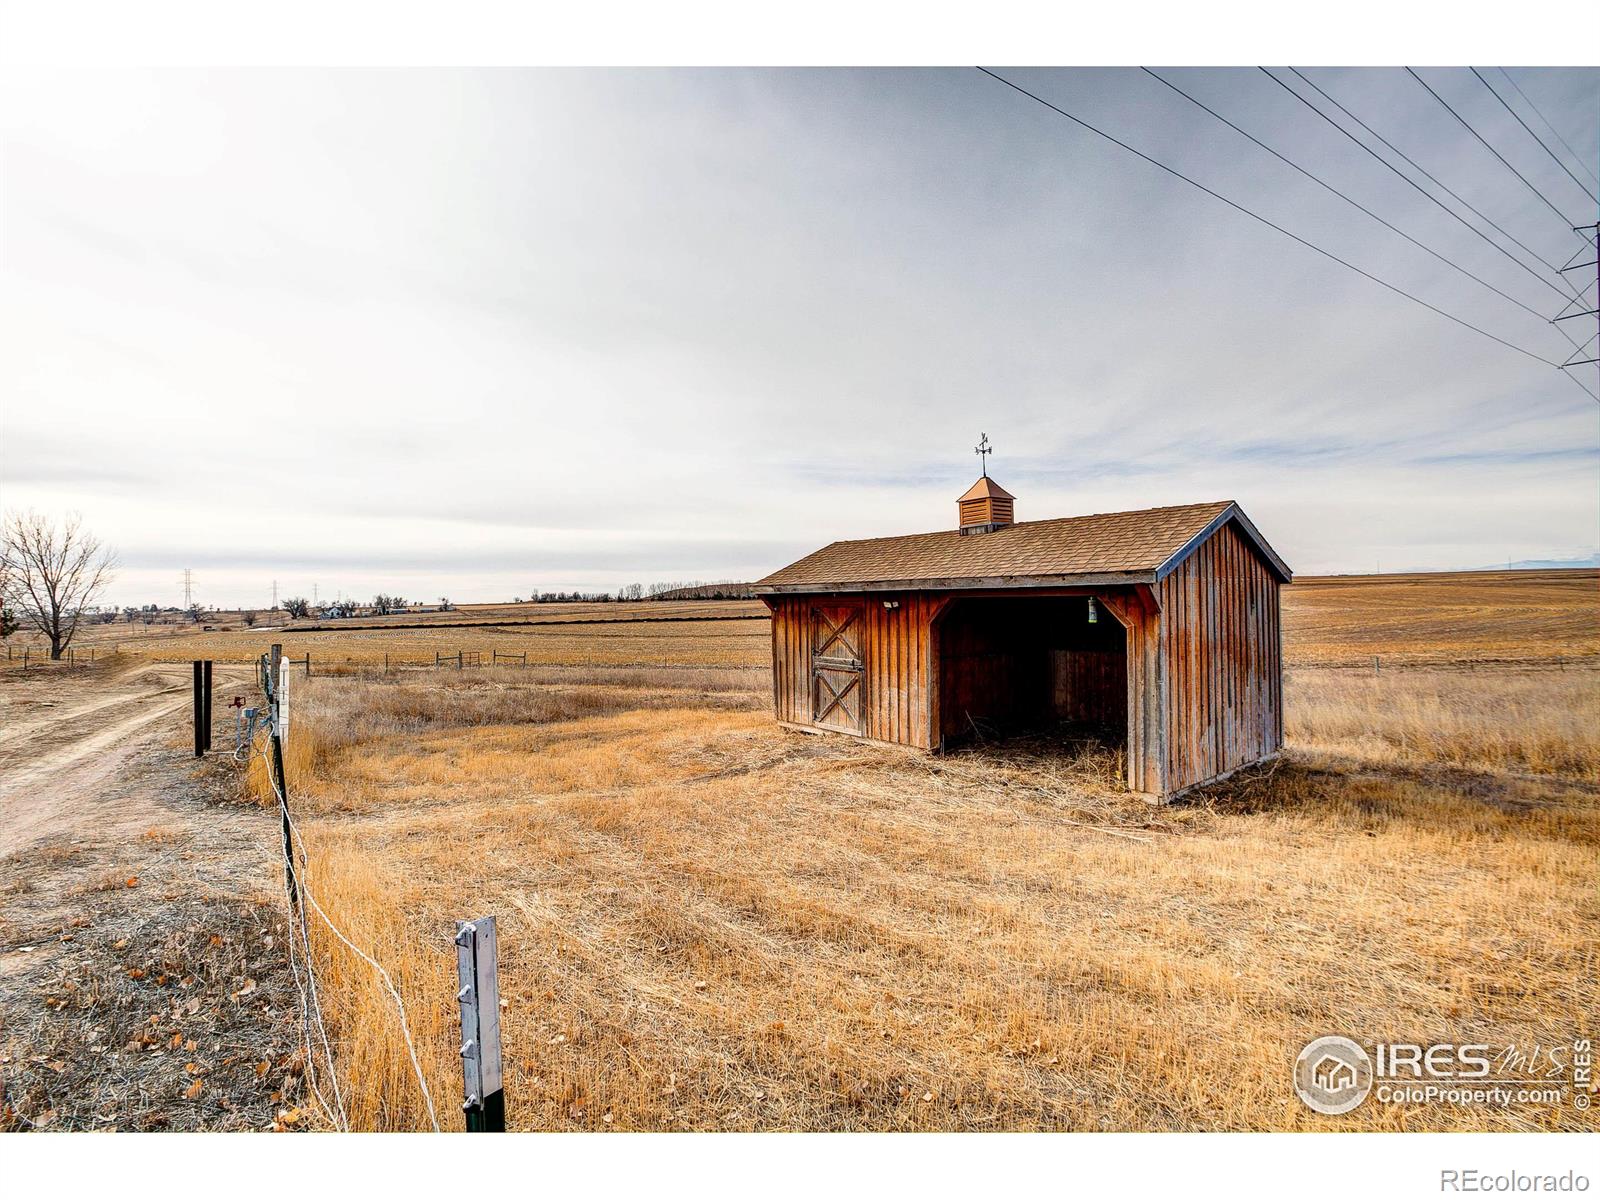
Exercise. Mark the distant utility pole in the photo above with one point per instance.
(188, 588)
(274, 595)
(314, 593)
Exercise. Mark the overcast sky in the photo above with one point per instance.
(479, 332)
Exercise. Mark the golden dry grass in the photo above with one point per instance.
(732, 643)
(1509, 616)
(1534, 718)
(707, 922)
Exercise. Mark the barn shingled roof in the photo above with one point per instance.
(1127, 547)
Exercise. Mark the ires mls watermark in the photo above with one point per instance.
(1334, 1075)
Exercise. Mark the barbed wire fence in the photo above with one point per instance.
(300, 897)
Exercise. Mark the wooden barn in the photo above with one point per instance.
(1158, 627)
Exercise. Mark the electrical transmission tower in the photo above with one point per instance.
(188, 588)
(1587, 353)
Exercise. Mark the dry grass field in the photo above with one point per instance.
(734, 631)
(707, 922)
(1482, 616)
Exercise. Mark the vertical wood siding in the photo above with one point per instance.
(1089, 685)
(898, 700)
(1147, 689)
(1200, 681)
(895, 648)
(1220, 645)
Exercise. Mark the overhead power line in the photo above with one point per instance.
(1263, 220)
(1320, 182)
(1565, 220)
(1576, 157)
(1556, 272)
(1443, 207)
(1554, 157)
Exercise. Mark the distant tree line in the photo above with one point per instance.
(666, 590)
(722, 589)
(382, 605)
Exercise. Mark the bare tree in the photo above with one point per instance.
(8, 619)
(52, 573)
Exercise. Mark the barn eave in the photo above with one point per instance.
(1235, 514)
(962, 583)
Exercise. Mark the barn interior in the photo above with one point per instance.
(1032, 665)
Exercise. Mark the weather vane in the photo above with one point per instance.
(982, 450)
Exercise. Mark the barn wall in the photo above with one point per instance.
(1136, 610)
(1089, 685)
(898, 703)
(791, 660)
(1219, 635)
(896, 700)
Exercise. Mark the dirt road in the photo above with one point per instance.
(142, 974)
(63, 735)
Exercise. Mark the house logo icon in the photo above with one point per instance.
(1333, 1075)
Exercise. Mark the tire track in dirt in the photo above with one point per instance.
(52, 777)
(143, 982)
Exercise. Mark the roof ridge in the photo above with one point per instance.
(1125, 512)
(1135, 545)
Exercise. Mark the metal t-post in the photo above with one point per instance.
(278, 716)
(479, 997)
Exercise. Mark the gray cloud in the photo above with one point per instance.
(693, 323)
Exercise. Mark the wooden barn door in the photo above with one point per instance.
(837, 630)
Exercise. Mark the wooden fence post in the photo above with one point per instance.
(205, 695)
(199, 713)
(479, 997)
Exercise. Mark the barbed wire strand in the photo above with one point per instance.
(388, 982)
(311, 1006)
(311, 1054)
